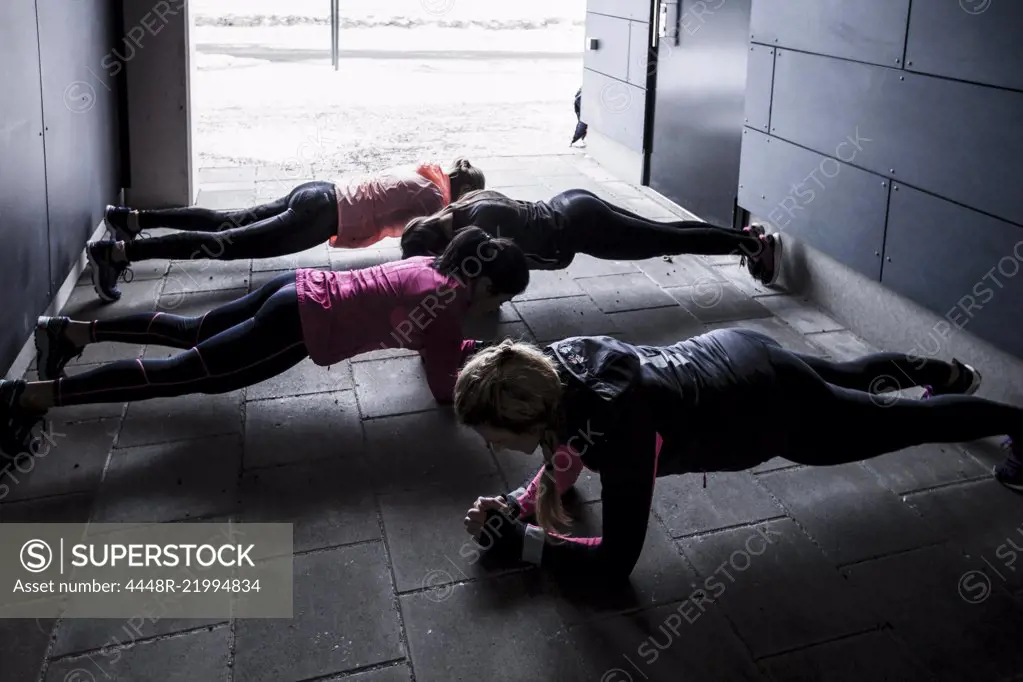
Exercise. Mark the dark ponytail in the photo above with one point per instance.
(473, 253)
(465, 178)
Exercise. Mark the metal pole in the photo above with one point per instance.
(335, 33)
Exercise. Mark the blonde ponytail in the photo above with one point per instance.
(550, 513)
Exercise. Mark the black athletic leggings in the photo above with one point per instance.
(299, 221)
(236, 345)
(602, 230)
(835, 412)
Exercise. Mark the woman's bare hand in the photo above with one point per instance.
(477, 515)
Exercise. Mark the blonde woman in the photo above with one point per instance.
(723, 401)
(552, 232)
(352, 214)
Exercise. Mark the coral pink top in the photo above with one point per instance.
(401, 304)
(369, 209)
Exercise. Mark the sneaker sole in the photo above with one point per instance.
(776, 270)
(95, 277)
(42, 339)
(975, 385)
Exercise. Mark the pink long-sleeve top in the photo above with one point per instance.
(370, 209)
(400, 304)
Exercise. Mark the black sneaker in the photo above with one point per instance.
(765, 264)
(967, 382)
(105, 272)
(16, 424)
(121, 223)
(1010, 472)
(53, 350)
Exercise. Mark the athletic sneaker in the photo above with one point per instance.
(106, 272)
(764, 265)
(1010, 472)
(967, 382)
(121, 223)
(53, 349)
(16, 424)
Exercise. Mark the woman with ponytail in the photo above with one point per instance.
(352, 214)
(635, 413)
(417, 304)
(552, 232)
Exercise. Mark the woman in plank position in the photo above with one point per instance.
(351, 215)
(578, 221)
(326, 316)
(634, 413)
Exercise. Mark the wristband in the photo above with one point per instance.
(512, 499)
(532, 544)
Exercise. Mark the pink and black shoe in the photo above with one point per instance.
(764, 265)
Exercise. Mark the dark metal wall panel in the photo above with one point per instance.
(960, 264)
(957, 140)
(611, 56)
(979, 41)
(834, 207)
(614, 108)
(865, 30)
(759, 80)
(80, 111)
(24, 259)
(637, 10)
(699, 106)
(639, 53)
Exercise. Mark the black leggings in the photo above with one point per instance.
(299, 221)
(236, 345)
(839, 412)
(602, 230)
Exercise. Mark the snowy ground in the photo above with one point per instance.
(463, 78)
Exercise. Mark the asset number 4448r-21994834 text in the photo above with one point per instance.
(236, 585)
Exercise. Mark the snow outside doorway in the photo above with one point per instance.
(418, 79)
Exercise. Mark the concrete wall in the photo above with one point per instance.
(60, 152)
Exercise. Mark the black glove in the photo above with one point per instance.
(502, 536)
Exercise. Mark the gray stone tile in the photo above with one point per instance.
(870, 656)
(618, 293)
(532, 192)
(427, 542)
(95, 354)
(72, 462)
(800, 314)
(562, 183)
(196, 304)
(982, 519)
(843, 345)
(302, 428)
(588, 266)
(394, 386)
(777, 330)
(662, 644)
(678, 271)
(203, 655)
(546, 284)
(25, 643)
(624, 190)
(315, 257)
(847, 512)
(287, 176)
(188, 276)
(220, 200)
(661, 575)
(226, 174)
(730, 499)
(258, 279)
(192, 416)
(329, 503)
(649, 208)
(494, 327)
(773, 464)
(303, 379)
(78, 635)
(559, 319)
(657, 326)
(170, 482)
(415, 451)
(394, 673)
(741, 280)
(355, 628)
(74, 508)
(594, 170)
(269, 189)
(947, 615)
(140, 272)
(136, 297)
(357, 259)
(509, 177)
(728, 259)
(385, 354)
(455, 629)
(925, 466)
(712, 301)
(776, 587)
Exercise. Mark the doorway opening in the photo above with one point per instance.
(414, 80)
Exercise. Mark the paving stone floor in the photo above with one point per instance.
(903, 568)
